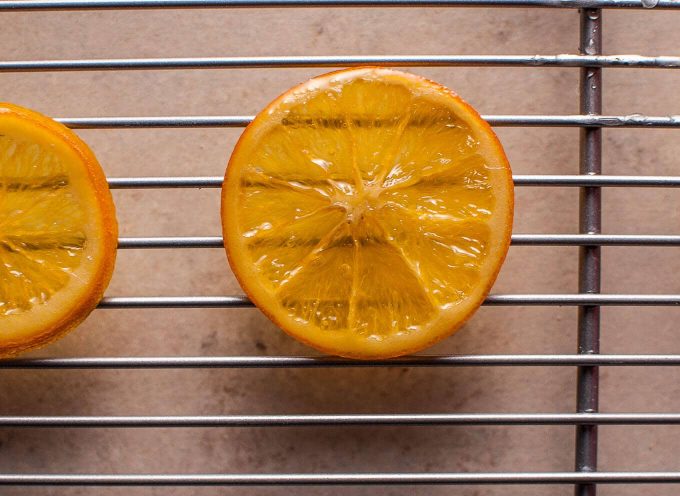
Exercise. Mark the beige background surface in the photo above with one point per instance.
(499, 330)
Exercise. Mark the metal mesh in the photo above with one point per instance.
(586, 419)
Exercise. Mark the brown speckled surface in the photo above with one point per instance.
(246, 332)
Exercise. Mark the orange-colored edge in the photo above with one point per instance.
(109, 232)
(482, 124)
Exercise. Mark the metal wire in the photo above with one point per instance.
(275, 362)
(33, 5)
(339, 479)
(595, 240)
(241, 301)
(563, 60)
(517, 240)
(414, 419)
(204, 121)
(590, 266)
(520, 180)
(585, 180)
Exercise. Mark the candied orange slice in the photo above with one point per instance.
(367, 212)
(58, 230)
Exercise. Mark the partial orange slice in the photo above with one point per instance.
(58, 230)
(367, 212)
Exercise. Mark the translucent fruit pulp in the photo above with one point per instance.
(41, 226)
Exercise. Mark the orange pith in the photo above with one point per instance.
(367, 212)
(58, 231)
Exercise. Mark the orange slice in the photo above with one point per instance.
(367, 212)
(58, 230)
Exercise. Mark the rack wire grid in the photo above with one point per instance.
(585, 477)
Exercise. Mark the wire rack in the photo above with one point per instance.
(587, 361)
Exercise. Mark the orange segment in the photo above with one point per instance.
(279, 252)
(388, 295)
(434, 141)
(439, 248)
(318, 292)
(374, 124)
(456, 195)
(262, 194)
(367, 212)
(58, 231)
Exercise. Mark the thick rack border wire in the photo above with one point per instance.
(586, 419)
